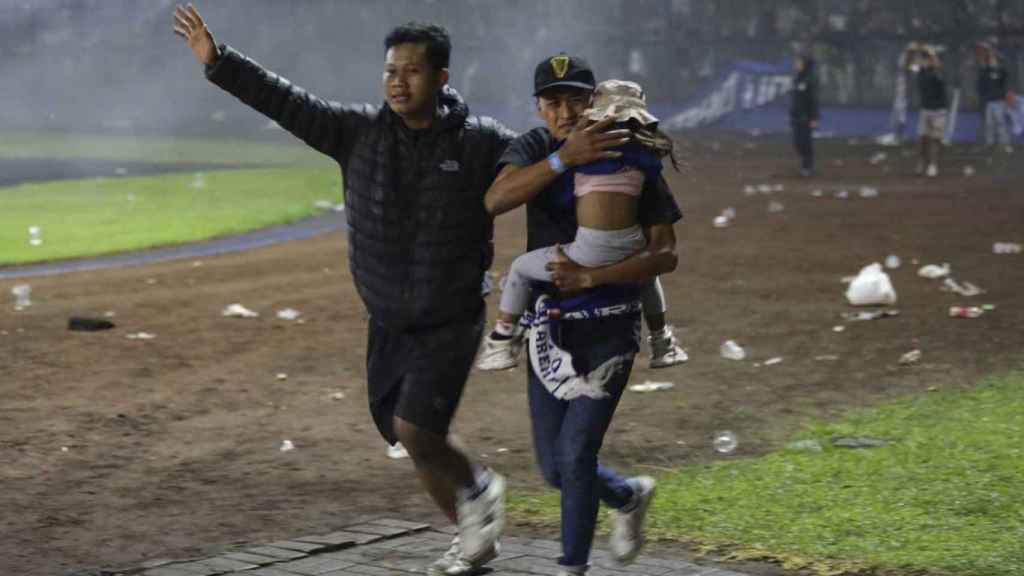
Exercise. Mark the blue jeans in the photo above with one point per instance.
(567, 435)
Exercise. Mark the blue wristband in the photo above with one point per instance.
(556, 163)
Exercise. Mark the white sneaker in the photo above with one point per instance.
(482, 519)
(628, 527)
(665, 350)
(933, 171)
(453, 563)
(500, 354)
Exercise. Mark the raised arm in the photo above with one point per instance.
(517, 185)
(327, 127)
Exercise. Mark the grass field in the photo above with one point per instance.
(100, 216)
(158, 150)
(942, 497)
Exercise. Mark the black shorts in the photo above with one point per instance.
(419, 376)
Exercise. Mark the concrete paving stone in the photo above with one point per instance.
(380, 529)
(675, 564)
(314, 565)
(276, 552)
(342, 537)
(449, 529)
(553, 544)
(633, 569)
(200, 568)
(391, 543)
(438, 536)
(228, 564)
(514, 540)
(528, 564)
(307, 547)
(167, 571)
(521, 550)
(267, 571)
(367, 570)
(412, 526)
(257, 559)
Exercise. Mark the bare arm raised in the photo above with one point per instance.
(190, 25)
(326, 126)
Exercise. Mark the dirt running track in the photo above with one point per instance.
(172, 444)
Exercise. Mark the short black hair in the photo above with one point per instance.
(434, 37)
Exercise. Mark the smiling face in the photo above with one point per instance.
(410, 82)
(562, 108)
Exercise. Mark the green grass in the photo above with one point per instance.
(158, 150)
(946, 496)
(100, 216)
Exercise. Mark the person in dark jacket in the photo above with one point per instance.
(993, 89)
(932, 120)
(416, 170)
(599, 310)
(803, 111)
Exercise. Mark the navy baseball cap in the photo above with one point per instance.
(563, 70)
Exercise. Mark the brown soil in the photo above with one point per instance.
(172, 444)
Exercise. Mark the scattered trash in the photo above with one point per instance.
(140, 336)
(238, 311)
(842, 194)
(870, 315)
(732, 351)
(934, 271)
(988, 307)
(22, 296)
(501, 450)
(397, 451)
(151, 281)
(287, 446)
(764, 188)
(968, 171)
(749, 190)
(35, 236)
(965, 311)
(868, 192)
(282, 376)
(871, 286)
(1006, 248)
(649, 386)
(912, 357)
(337, 396)
(324, 204)
(86, 324)
(724, 442)
(878, 158)
(838, 328)
(892, 261)
(197, 263)
(65, 449)
(720, 221)
(778, 188)
(339, 207)
(773, 361)
(198, 181)
(963, 289)
(120, 171)
(812, 445)
(858, 442)
(847, 279)
(288, 314)
(827, 358)
(775, 207)
(817, 193)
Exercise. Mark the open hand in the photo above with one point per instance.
(586, 144)
(189, 25)
(567, 275)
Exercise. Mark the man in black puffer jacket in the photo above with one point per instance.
(420, 240)
(803, 111)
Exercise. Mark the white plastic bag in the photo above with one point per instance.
(871, 286)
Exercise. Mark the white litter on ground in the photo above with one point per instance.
(649, 386)
(238, 311)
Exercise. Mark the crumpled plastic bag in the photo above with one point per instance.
(872, 286)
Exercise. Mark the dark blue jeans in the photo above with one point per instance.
(567, 435)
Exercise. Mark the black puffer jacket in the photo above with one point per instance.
(419, 238)
(803, 106)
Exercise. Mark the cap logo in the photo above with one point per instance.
(560, 65)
